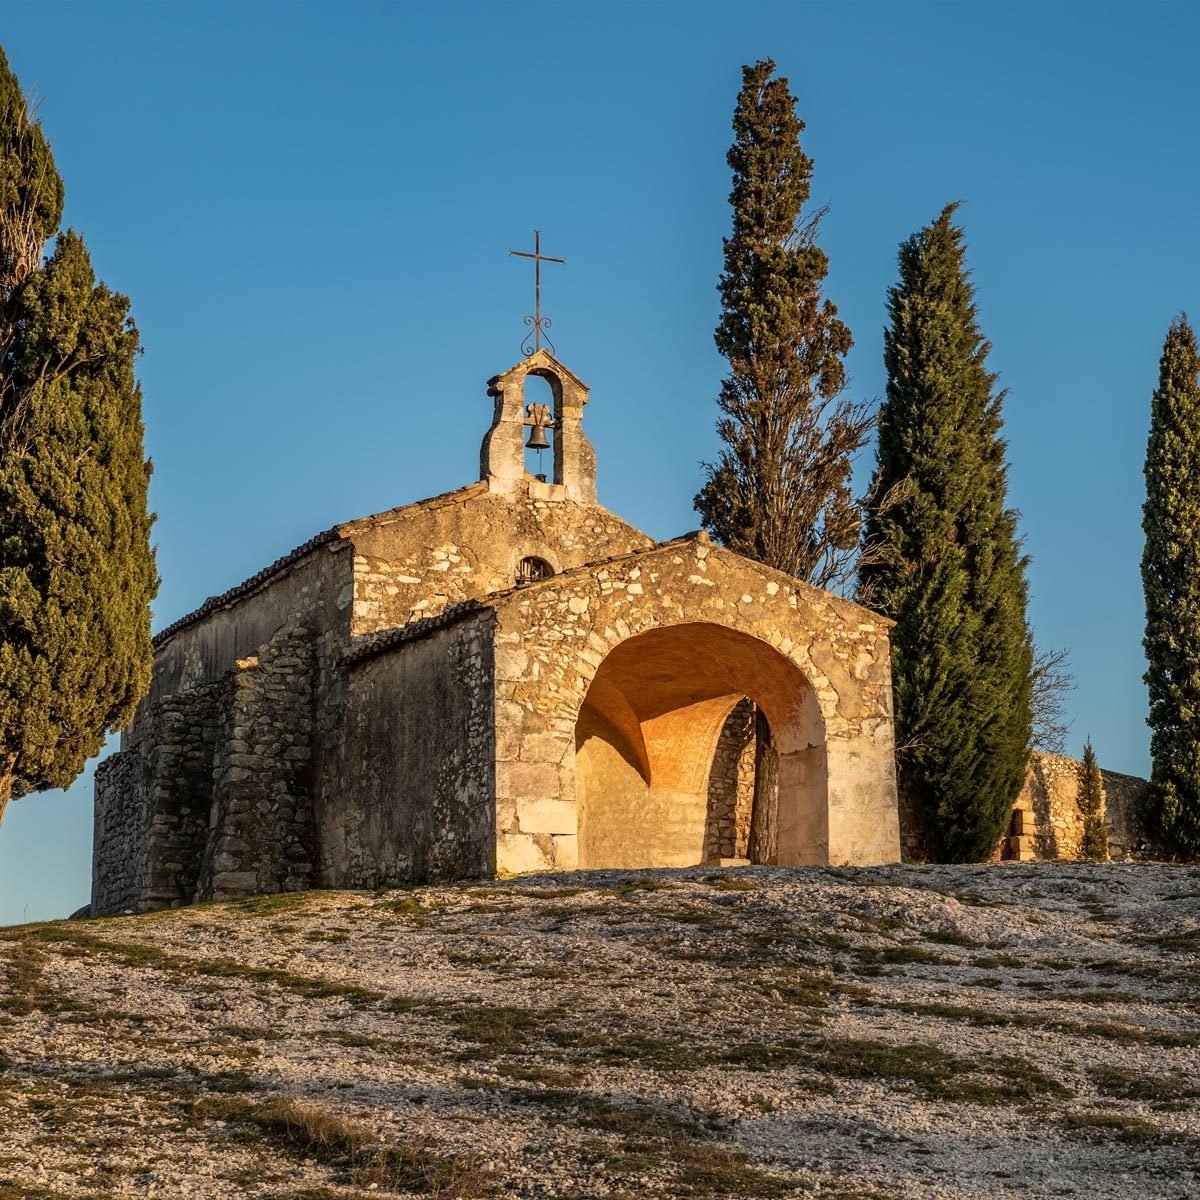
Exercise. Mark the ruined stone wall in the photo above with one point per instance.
(1046, 821)
(418, 560)
(236, 692)
(261, 833)
(417, 764)
(152, 806)
(552, 637)
(121, 825)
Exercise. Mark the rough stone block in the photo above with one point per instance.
(518, 853)
(566, 852)
(547, 816)
(526, 780)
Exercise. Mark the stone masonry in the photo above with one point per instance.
(503, 678)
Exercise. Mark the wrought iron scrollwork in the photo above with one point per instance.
(536, 335)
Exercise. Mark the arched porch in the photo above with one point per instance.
(647, 732)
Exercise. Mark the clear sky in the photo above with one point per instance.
(311, 207)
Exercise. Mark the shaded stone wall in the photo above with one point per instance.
(313, 589)
(731, 787)
(121, 826)
(152, 806)
(180, 786)
(417, 763)
(260, 836)
(214, 798)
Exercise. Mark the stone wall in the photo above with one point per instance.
(261, 831)
(214, 798)
(417, 762)
(414, 562)
(552, 637)
(152, 806)
(121, 825)
(312, 588)
(1046, 822)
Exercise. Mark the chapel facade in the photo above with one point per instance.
(506, 678)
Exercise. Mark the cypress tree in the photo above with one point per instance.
(946, 564)
(1094, 843)
(781, 490)
(76, 567)
(1171, 581)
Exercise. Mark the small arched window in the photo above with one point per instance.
(530, 570)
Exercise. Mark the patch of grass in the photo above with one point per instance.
(982, 1079)
(478, 958)
(1112, 1030)
(1111, 1126)
(309, 1131)
(658, 1138)
(1094, 995)
(730, 883)
(1186, 942)
(971, 900)
(951, 937)
(700, 917)
(551, 1077)
(623, 1046)
(137, 954)
(1123, 1084)
(880, 924)
(23, 980)
(496, 1029)
(645, 884)
(800, 989)
(542, 893)
(905, 954)
(407, 906)
(278, 902)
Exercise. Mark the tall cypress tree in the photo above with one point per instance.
(781, 490)
(1171, 581)
(76, 567)
(947, 565)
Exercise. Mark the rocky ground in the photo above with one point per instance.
(873, 1034)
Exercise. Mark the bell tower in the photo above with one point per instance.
(502, 455)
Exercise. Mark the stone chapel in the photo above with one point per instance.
(503, 679)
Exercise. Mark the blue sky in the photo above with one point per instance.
(311, 205)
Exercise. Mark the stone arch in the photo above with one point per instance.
(502, 455)
(647, 730)
(546, 391)
(532, 568)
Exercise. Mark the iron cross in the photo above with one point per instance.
(539, 323)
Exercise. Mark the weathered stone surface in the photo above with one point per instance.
(393, 702)
(1046, 822)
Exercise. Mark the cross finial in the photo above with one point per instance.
(540, 324)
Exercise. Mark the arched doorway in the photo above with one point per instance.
(647, 732)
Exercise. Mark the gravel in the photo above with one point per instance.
(1005, 1030)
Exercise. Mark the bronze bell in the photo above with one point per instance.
(537, 438)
